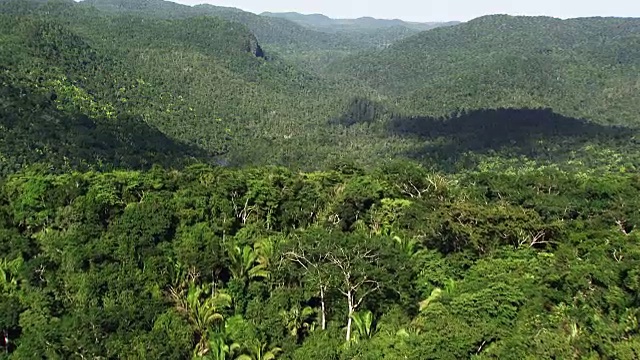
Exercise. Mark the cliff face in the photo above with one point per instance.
(254, 47)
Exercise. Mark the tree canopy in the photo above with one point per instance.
(193, 183)
(397, 261)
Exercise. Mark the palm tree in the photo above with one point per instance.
(264, 249)
(181, 276)
(364, 325)
(298, 320)
(220, 348)
(243, 263)
(408, 246)
(259, 351)
(201, 310)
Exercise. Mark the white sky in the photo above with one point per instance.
(436, 10)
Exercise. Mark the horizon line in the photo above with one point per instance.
(261, 13)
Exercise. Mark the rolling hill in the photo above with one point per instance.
(584, 68)
(304, 44)
(326, 24)
(214, 92)
(205, 82)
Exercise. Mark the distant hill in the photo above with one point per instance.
(303, 19)
(310, 46)
(204, 83)
(365, 32)
(582, 67)
(269, 31)
(324, 23)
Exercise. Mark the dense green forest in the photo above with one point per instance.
(397, 263)
(207, 83)
(583, 68)
(302, 42)
(202, 182)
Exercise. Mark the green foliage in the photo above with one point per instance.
(202, 310)
(530, 273)
(244, 263)
(364, 325)
(102, 91)
(500, 61)
(516, 238)
(299, 321)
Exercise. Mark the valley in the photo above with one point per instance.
(204, 182)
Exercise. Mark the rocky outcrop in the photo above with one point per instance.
(254, 48)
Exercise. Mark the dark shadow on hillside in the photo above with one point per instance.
(538, 134)
(34, 131)
(359, 110)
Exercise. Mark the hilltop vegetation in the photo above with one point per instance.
(582, 68)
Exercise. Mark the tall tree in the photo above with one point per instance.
(314, 265)
(355, 267)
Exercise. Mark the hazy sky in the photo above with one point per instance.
(437, 10)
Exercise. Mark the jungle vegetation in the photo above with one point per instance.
(205, 183)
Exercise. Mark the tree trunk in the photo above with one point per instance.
(324, 314)
(349, 320)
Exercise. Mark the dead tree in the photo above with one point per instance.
(313, 266)
(356, 284)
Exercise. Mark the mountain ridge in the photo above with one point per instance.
(309, 47)
(325, 23)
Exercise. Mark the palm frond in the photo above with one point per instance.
(363, 322)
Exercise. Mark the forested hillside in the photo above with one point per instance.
(584, 68)
(308, 46)
(205, 183)
(210, 86)
(205, 82)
